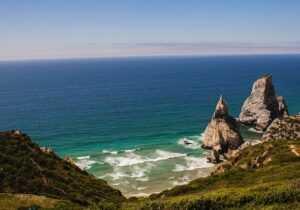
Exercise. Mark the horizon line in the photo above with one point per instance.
(148, 56)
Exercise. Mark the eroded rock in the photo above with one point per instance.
(222, 133)
(287, 128)
(262, 106)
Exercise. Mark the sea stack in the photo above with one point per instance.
(262, 106)
(222, 133)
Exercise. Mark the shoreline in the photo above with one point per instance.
(209, 171)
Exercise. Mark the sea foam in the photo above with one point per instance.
(191, 143)
(85, 163)
(114, 152)
(83, 157)
(192, 163)
(130, 150)
(133, 159)
(137, 172)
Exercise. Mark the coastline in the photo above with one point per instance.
(140, 171)
(208, 186)
(210, 170)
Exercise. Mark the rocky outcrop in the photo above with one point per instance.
(222, 133)
(262, 106)
(282, 107)
(47, 150)
(287, 128)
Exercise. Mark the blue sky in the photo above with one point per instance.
(75, 28)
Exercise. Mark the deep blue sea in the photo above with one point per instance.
(123, 119)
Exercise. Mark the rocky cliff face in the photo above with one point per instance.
(262, 106)
(283, 129)
(222, 133)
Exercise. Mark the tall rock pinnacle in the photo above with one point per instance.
(221, 108)
(222, 133)
(262, 106)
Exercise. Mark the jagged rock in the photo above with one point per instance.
(262, 106)
(287, 128)
(222, 133)
(215, 154)
(70, 160)
(233, 153)
(47, 150)
(282, 107)
(214, 157)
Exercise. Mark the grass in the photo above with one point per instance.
(27, 201)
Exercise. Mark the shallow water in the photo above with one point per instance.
(124, 119)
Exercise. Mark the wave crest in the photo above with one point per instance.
(114, 152)
(85, 163)
(134, 159)
(193, 163)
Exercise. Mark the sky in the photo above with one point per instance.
(35, 29)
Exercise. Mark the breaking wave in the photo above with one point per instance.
(134, 159)
(193, 163)
(130, 150)
(114, 152)
(83, 157)
(85, 163)
(137, 172)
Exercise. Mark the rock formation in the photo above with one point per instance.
(262, 106)
(222, 133)
(283, 129)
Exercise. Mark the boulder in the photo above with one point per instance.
(262, 106)
(222, 133)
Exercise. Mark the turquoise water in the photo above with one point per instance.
(123, 119)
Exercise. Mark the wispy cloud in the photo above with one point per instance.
(149, 49)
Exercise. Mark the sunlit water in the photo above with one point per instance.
(124, 120)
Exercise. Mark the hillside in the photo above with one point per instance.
(26, 169)
(27, 201)
(261, 176)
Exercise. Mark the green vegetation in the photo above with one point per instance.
(249, 182)
(264, 176)
(26, 201)
(26, 169)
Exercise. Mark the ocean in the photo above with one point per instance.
(125, 119)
